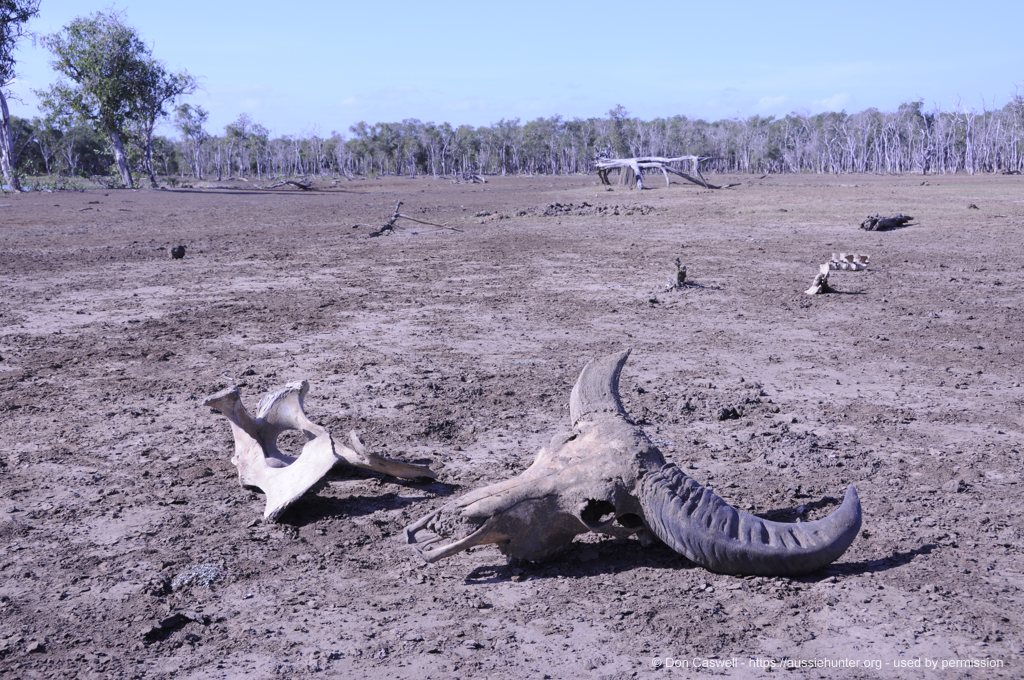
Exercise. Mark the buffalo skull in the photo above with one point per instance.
(606, 476)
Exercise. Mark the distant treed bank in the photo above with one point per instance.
(100, 119)
(909, 140)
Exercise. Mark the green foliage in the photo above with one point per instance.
(14, 14)
(112, 81)
(108, 70)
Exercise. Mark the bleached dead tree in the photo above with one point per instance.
(631, 169)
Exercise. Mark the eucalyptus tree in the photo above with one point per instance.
(158, 89)
(236, 136)
(112, 81)
(190, 120)
(21, 136)
(508, 136)
(14, 14)
(617, 134)
(45, 138)
(79, 148)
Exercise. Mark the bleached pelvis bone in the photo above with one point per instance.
(606, 476)
(284, 478)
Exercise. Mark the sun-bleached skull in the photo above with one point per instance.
(284, 478)
(606, 476)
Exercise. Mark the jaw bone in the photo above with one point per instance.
(283, 478)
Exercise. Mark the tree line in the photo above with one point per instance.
(100, 118)
(909, 140)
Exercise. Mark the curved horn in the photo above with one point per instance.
(597, 388)
(697, 523)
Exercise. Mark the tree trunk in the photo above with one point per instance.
(149, 160)
(121, 158)
(6, 149)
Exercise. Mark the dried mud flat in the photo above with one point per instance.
(129, 549)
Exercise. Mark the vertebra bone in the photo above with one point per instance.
(848, 261)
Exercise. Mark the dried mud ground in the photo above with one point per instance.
(129, 549)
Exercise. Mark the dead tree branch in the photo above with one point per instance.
(390, 224)
(305, 186)
(631, 170)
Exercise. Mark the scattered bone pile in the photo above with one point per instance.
(848, 261)
(841, 261)
(604, 475)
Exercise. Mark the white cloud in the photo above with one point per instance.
(771, 104)
(836, 102)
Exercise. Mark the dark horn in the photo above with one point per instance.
(696, 523)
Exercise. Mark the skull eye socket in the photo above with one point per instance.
(597, 513)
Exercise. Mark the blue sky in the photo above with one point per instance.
(317, 67)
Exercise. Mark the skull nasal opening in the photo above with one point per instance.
(630, 521)
(596, 512)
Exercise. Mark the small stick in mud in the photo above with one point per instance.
(678, 282)
(389, 226)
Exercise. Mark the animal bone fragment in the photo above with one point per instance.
(848, 261)
(283, 478)
(606, 476)
(820, 284)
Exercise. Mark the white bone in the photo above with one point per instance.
(281, 477)
(848, 261)
(820, 284)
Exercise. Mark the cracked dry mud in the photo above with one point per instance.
(129, 549)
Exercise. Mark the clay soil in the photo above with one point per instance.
(128, 548)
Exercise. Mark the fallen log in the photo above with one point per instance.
(470, 177)
(879, 223)
(305, 186)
